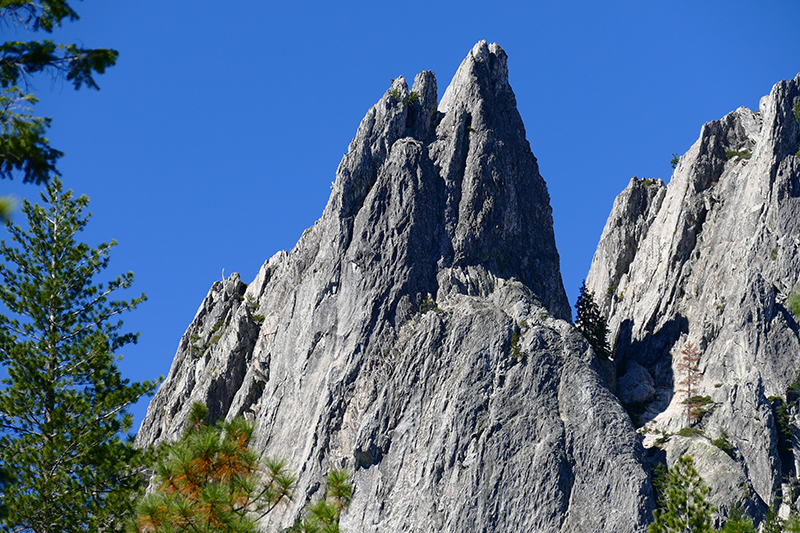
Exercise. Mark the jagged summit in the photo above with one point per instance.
(418, 335)
(485, 202)
(712, 259)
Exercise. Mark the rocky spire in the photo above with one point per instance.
(712, 259)
(418, 335)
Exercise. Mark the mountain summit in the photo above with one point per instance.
(418, 335)
(713, 261)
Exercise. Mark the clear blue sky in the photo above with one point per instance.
(213, 141)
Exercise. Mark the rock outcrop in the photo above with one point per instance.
(418, 335)
(712, 259)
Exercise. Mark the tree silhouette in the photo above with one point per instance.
(591, 323)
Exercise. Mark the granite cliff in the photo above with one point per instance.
(419, 336)
(712, 260)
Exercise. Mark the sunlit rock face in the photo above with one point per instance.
(712, 259)
(418, 335)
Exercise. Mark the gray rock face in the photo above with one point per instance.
(711, 259)
(418, 336)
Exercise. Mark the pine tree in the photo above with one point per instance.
(210, 481)
(772, 523)
(63, 401)
(323, 516)
(591, 323)
(738, 521)
(684, 506)
(792, 524)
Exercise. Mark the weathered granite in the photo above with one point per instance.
(712, 259)
(384, 341)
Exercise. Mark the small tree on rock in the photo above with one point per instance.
(591, 323)
(684, 506)
(738, 521)
(323, 517)
(689, 366)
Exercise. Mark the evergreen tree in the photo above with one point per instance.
(684, 507)
(738, 521)
(591, 323)
(63, 401)
(323, 517)
(24, 148)
(211, 482)
(792, 524)
(772, 522)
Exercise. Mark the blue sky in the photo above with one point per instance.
(213, 142)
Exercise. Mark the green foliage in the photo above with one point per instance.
(514, 350)
(773, 255)
(252, 306)
(216, 334)
(738, 521)
(210, 481)
(7, 206)
(24, 149)
(731, 154)
(428, 304)
(724, 444)
(792, 524)
(251, 303)
(793, 303)
(659, 479)
(780, 414)
(698, 406)
(690, 432)
(674, 162)
(796, 109)
(323, 516)
(412, 97)
(591, 323)
(772, 522)
(662, 440)
(196, 349)
(63, 402)
(793, 392)
(684, 505)
(701, 401)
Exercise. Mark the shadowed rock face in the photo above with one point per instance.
(712, 259)
(418, 335)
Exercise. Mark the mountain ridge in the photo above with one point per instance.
(418, 335)
(711, 259)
